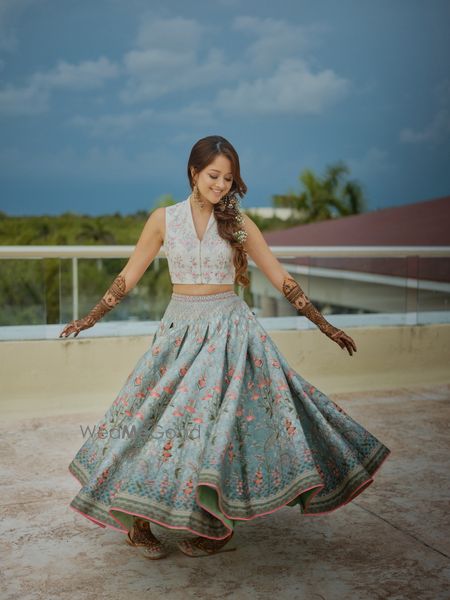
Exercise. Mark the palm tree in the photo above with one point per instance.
(324, 197)
(95, 230)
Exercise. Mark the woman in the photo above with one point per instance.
(213, 426)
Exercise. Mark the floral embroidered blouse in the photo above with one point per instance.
(190, 260)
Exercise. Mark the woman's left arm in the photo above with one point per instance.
(258, 250)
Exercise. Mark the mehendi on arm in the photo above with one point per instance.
(111, 298)
(300, 301)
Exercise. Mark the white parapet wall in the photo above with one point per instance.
(60, 376)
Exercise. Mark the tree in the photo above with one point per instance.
(95, 231)
(324, 197)
(165, 200)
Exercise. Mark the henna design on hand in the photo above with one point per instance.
(111, 298)
(303, 305)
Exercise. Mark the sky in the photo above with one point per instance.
(101, 101)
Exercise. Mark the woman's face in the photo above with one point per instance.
(215, 180)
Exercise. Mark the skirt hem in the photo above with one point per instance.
(315, 489)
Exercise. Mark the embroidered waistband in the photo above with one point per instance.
(194, 298)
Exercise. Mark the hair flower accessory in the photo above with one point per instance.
(231, 201)
(240, 235)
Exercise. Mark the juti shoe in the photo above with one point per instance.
(201, 546)
(140, 535)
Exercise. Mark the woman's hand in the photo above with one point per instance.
(112, 297)
(300, 301)
(77, 326)
(344, 341)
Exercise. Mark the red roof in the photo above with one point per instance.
(424, 223)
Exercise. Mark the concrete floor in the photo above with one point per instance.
(392, 542)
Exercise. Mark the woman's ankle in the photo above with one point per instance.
(142, 524)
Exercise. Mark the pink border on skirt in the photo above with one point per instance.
(319, 487)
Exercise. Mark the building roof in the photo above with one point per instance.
(424, 223)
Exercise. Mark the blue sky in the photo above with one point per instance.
(101, 101)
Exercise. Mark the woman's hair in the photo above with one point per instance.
(202, 154)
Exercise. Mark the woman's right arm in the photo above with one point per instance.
(147, 247)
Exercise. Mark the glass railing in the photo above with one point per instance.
(44, 287)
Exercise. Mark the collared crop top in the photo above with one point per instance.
(191, 260)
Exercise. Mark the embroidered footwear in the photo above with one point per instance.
(201, 546)
(141, 536)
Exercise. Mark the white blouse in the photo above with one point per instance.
(191, 260)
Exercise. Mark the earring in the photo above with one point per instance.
(197, 198)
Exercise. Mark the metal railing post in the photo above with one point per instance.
(74, 288)
(412, 290)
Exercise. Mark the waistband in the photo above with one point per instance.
(205, 297)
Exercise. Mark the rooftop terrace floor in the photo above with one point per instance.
(391, 542)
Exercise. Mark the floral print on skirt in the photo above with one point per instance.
(213, 426)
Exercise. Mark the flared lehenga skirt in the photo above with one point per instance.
(213, 426)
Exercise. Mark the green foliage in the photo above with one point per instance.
(39, 291)
(326, 197)
(272, 223)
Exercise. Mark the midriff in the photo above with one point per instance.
(201, 289)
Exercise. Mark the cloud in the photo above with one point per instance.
(372, 162)
(28, 100)
(167, 58)
(89, 74)
(276, 39)
(293, 88)
(118, 125)
(284, 82)
(438, 129)
(157, 72)
(33, 98)
(112, 125)
(175, 33)
(97, 163)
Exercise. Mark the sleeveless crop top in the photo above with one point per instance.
(191, 260)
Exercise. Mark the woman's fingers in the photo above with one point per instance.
(68, 329)
(344, 345)
(350, 344)
(345, 342)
